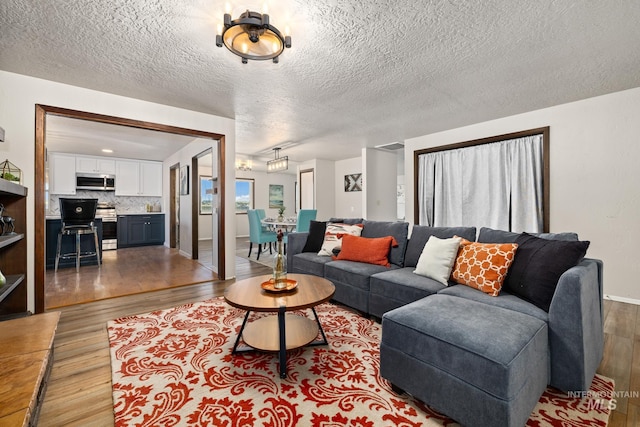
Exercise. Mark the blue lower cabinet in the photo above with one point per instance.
(87, 244)
(140, 230)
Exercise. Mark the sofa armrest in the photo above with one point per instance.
(576, 334)
(295, 244)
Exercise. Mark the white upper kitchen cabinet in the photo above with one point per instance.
(138, 178)
(99, 165)
(62, 174)
(127, 178)
(151, 179)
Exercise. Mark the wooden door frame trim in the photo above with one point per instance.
(195, 208)
(174, 170)
(41, 112)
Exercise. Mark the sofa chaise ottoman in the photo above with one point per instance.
(480, 365)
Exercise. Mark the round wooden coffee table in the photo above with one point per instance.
(282, 331)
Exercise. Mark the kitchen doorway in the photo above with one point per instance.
(42, 112)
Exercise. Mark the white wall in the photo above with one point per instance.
(380, 179)
(261, 192)
(595, 147)
(348, 204)
(20, 94)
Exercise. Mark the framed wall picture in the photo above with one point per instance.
(205, 198)
(184, 180)
(276, 196)
(353, 182)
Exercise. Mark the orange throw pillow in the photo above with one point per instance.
(366, 249)
(483, 266)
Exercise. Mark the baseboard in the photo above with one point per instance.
(622, 299)
(184, 254)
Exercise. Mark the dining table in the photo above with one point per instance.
(287, 225)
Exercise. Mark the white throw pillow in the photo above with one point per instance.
(333, 236)
(437, 258)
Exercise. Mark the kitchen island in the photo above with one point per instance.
(53, 226)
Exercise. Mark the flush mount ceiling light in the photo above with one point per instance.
(252, 37)
(279, 163)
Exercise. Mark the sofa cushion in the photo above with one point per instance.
(309, 263)
(371, 250)
(504, 300)
(398, 230)
(333, 237)
(437, 258)
(403, 285)
(538, 266)
(483, 266)
(315, 238)
(353, 273)
(420, 235)
(489, 235)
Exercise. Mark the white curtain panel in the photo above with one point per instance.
(497, 185)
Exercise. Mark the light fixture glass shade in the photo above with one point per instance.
(268, 45)
(252, 37)
(278, 164)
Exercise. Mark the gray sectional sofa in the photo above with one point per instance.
(479, 359)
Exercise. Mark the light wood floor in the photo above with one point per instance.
(79, 390)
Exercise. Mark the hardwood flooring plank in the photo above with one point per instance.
(622, 320)
(616, 364)
(633, 416)
(634, 380)
(617, 419)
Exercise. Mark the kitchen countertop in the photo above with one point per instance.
(140, 213)
(54, 217)
(57, 216)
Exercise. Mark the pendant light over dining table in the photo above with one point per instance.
(251, 36)
(278, 164)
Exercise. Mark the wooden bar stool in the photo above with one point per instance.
(78, 218)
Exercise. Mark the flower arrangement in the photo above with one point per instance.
(281, 210)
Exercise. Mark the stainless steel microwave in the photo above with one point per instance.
(95, 181)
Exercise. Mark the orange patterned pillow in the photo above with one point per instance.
(483, 266)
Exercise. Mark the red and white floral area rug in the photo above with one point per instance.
(175, 368)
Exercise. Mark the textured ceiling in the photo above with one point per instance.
(359, 74)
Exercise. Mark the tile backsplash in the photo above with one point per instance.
(123, 204)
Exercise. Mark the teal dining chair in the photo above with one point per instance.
(257, 234)
(305, 216)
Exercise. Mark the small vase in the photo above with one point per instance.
(280, 218)
(279, 266)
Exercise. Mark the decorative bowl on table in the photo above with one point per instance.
(270, 285)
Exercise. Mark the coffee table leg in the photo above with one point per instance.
(324, 337)
(244, 322)
(283, 342)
